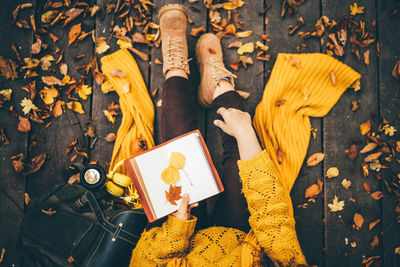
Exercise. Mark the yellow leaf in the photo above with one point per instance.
(48, 16)
(365, 127)
(5, 95)
(231, 6)
(124, 44)
(84, 91)
(102, 47)
(262, 46)
(76, 106)
(109, 116)
(243, 34)
(150, 37)
(336, 205)
(355, 9)
(48, 95)
(356, 85)
(27, 105)
(154, 26)
(332, 172)
(246, 48)
(66, 80)
(46, 62)
(389, 130)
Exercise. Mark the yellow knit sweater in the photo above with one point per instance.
(174, 243)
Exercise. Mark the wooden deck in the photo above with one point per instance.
(326, 238)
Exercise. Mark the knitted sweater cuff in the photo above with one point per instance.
(181, 227)
(259, 161)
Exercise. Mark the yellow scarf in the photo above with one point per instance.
(136, 105)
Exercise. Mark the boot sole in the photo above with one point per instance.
(199, 94)
(172, 7)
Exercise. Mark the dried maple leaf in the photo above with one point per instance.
(377, 195)
(355, 9)
(374, 242)
(315, 158)
(36, 163)
(396, 70)
(110, 137)
(24, 125)
(332, 172)
(372, 224)
(365, 127)
(49, 212)
(27, 105)
(346, 183)
(73, 33)
(336, 205)
(358, 220)
(173, 194)
(352, 151)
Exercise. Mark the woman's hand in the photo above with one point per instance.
(236, 123)
(183, 211)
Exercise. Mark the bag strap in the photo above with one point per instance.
(116, 230)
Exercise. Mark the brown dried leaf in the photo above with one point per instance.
(280, 102)
(315, 158)
(346, 183)
(24, 125)
(8, 68)
(58, 108)
(110, 137)
(235, 44)
(313, 190)
(377, 195)
(36, 47)
(139, 53)
(365, 127)
(352, 151)
(373, 157)
(197, 31)
(36, 163)
(71, 146)
(73, 33)
(374, 242)
(358, 221)
(51, 80)
(18, 164)
(372, 224)
(71, 14)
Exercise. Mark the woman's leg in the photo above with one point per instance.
(231, 207)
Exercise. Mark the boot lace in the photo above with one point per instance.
(175, 55)
(219, 71)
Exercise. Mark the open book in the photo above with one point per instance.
(163, 174)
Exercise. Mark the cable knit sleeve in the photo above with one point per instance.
(160, 244)
(269, 213)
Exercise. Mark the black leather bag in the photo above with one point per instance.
(76, 232)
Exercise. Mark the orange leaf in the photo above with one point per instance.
(315, 158)
(197, 31)
(358, 221)
(367, 187)
(24, 125)
(377, 195)
(173, 194)
(372, 224)
(374, 242)
(365, 127)
(73, 33)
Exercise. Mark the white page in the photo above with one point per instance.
(152, 163)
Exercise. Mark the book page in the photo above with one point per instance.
(191, 172)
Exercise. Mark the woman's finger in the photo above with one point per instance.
(221, 110)
(184, 204)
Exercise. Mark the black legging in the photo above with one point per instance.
(179, 116)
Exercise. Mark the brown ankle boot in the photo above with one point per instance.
(173, 19)
(211, 65)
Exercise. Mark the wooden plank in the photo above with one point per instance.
(309, 220)
(340, 125)
(11, 183)
(102, 150)
(389, 98)
(197, 14)
(54, 139)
